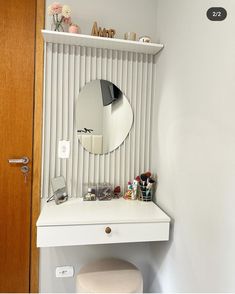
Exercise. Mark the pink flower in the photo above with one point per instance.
(67, 20)
(56, 8)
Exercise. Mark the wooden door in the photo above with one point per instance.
(17, 50)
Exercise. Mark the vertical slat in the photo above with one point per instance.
(153, 71)
(59, 122)
(47, 122)
(119, 169)
(53, 113)
(134, 142)
(108, 155)
(104, 170)
(45, 85)
(98, 75)
(143, 114)
(139, 115)
(103, 72)
(93, 77)
(83, 167)
(149, 111)
(129, 91)
(74, 155)
(114, 157)
(126, 143)
(65, 99)
(71, 126)
(99, 64)
(89, 65)
(67, 70)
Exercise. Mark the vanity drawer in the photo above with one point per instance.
(51, 236)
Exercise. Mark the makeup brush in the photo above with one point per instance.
(148, 174)
(143, 177)
(150, 183)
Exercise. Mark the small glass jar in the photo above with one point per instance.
(89, 196)
(104, 191)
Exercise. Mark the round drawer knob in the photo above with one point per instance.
(108, 230)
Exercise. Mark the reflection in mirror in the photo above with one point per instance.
(103, 117)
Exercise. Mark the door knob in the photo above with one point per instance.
(23, 160)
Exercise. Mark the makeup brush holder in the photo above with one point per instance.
(145, 194)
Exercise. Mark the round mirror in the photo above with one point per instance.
(103, 117)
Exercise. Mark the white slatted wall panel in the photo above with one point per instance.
(67, 70)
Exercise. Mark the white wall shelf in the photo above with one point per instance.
(100, 42)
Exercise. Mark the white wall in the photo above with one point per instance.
(194, 147)
(138, 254)
(124, 16)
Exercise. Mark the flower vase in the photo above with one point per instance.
(57, 26)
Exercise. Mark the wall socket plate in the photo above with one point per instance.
(63, 149)
(64, 271)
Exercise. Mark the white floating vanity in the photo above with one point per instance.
(70, 65)
(78, 222)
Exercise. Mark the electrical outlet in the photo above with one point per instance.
(63, 149)
(64, 272)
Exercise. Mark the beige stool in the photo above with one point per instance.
(109, 275)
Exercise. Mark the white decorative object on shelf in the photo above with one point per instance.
(100, 42)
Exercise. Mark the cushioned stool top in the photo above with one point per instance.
(109, 276)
